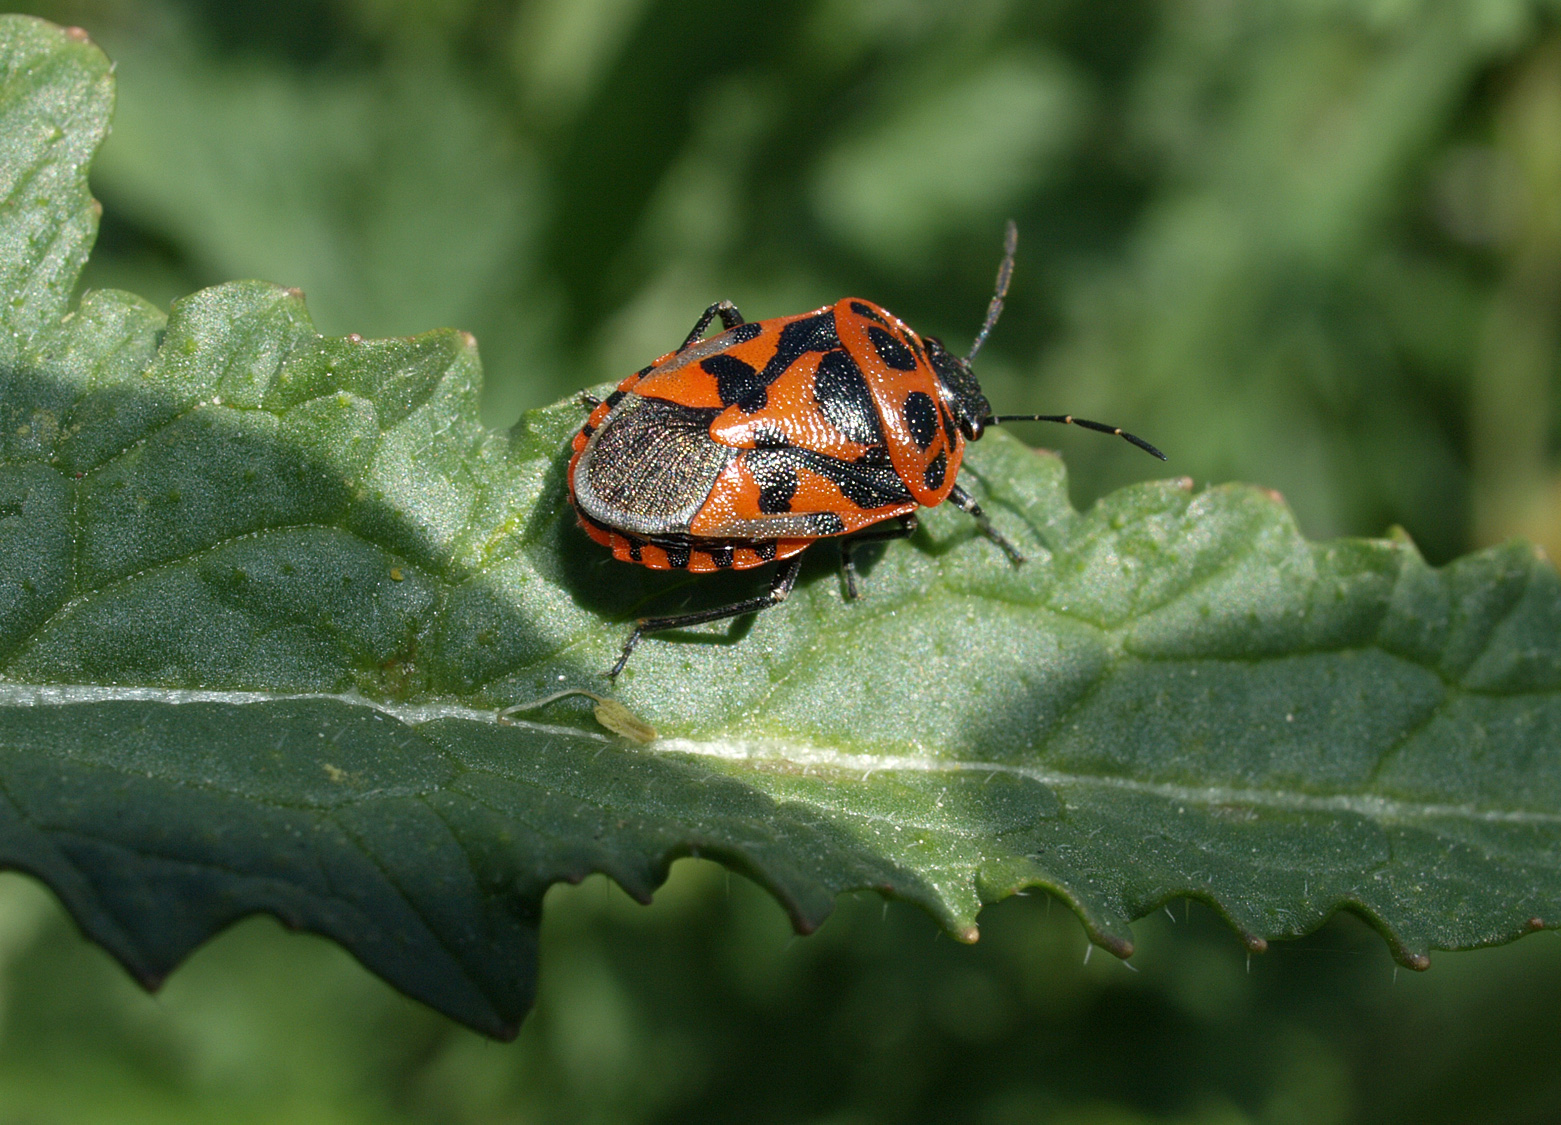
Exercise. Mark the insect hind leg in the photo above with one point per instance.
(780, 589)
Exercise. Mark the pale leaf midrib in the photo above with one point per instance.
(771, 753)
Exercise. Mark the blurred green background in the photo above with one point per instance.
(1311, 244)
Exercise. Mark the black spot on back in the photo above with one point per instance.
(765, 549)
(876, 458)
(775, 473)
(867, 310)
(634, 549)
(797, 339)
(775, 498)
(864, 485)
(936, 472)
(721, 556)
(613, 399)
(921, 417)
(737, 382)
(766, 435)
(894, 353)
(842, 394)
(872, 491)
(677, 555)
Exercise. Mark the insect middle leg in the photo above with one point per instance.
(966, 503)
(780, 588)
(730, 318)
(907, 526)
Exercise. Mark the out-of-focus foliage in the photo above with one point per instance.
(706, 1008)
(1315, 245)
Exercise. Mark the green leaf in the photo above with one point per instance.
(263, 593)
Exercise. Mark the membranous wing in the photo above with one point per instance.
(650, 467)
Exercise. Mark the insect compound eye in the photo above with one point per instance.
(961, 393)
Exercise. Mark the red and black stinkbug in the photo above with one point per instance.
(750, 446)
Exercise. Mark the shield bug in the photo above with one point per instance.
(749, 446)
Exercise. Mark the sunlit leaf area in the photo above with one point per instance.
(1311, 246)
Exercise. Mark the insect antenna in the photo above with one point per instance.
(1004, 272)
(1070, 420)
(994, 309)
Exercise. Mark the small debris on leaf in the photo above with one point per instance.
(609, 712)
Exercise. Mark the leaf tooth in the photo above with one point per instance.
(1118, 945)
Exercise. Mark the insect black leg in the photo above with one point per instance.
(963, 501)
(730, 318)
(780, 588)
(848, 546)
(587, 400)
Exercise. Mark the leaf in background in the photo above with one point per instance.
(396, 199)
(262, 592)
(1269, 298)
(895, 191)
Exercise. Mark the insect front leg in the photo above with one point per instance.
(965, 503)
(587, 400)
(780, 588)
(907, 526)
(730, 318)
